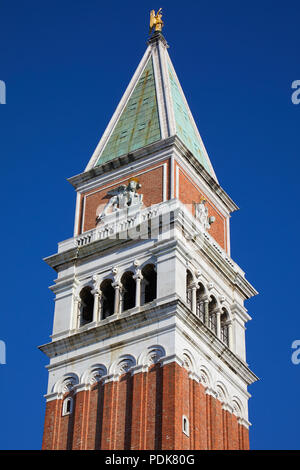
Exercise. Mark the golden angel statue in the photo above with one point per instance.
(155, 20)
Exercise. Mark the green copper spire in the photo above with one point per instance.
(184, 125)
(138, 124)
(153, 108)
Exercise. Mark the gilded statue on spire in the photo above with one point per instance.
(155, 20)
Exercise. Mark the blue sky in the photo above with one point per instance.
(65, 65)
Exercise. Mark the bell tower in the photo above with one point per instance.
(148, 343)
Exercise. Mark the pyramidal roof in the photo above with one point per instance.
(152, 108)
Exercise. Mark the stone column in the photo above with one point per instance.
(138, 279)
(206, 312)
(117, 286)
(194, 297)
(218, 317)
(77, 312)
(118, 300)
(230, 336)
(100, 311)
(97, 305)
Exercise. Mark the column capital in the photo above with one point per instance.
(96, 291)
(114, 270)
(138, 275)
(117, 285)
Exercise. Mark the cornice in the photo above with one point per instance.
(229, 269)
(151, 315)
(123, 160)
(149, 150)
(240, 282)
(218, 347)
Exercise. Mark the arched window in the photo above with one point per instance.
(212, 318)
(185, 425)
(224, 326)
(149, 283)
(108, 298)
(200, 306)
(128, 293)
(87, 305)
(189, 281)
(67, 407)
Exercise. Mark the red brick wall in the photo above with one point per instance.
(151, 180)
(144, 411)
(189, 192)
(152, 183)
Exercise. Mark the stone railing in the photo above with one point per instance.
(155, 222)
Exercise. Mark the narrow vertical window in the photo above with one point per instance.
(129, 286)
(87, 306)
(185, 426)
(212, 315)
(225, 327)
(67, 406)
(189, 281)
(149, 283)
(200, 308)
(108, 298)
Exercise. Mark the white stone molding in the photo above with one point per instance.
(94, 374)
(122, 365)
(227, 407)
(244, 422)
(152, 355)
(188, 361)
(240, 312)
(66, 384)
(205, 377)
(237, 407)
(211, 391)
(222, 393)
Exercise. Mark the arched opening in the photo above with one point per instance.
(200, 305)
(185, 425)
(149, 283)
(128, 291)
(87, 305)
(212, 317)
(107, 298)
(67, 406)
(225, 327)
(189, 281)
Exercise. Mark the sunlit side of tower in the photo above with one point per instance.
(148, 342)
